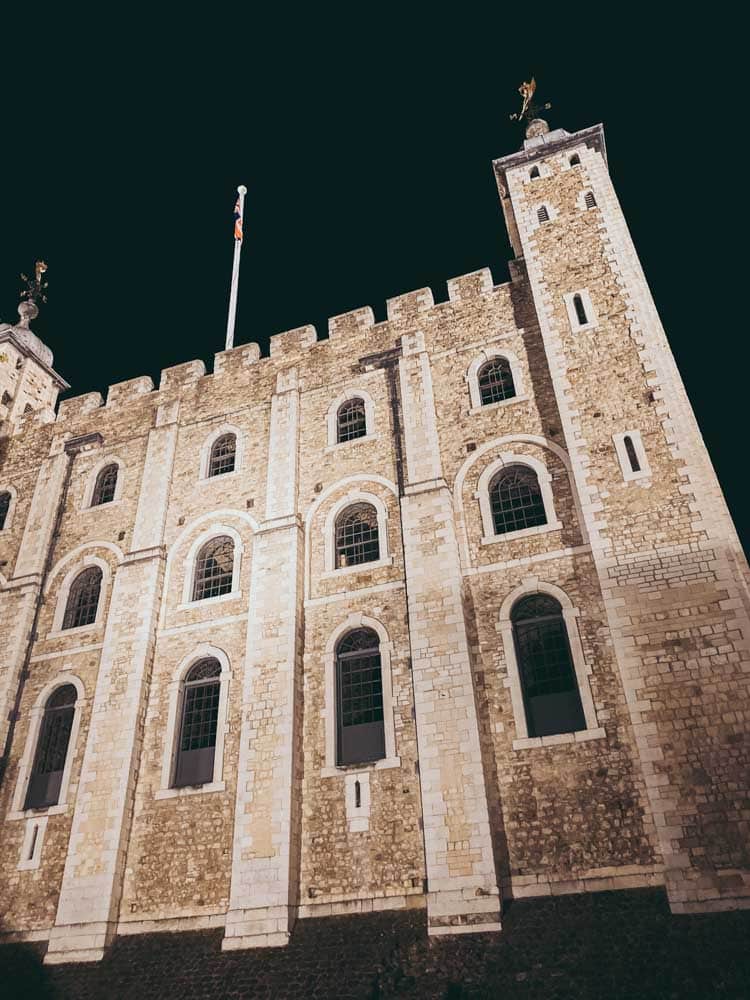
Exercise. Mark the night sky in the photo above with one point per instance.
(365, 139)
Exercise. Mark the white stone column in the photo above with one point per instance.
(88, 908)
(265, 858)
(463, 894)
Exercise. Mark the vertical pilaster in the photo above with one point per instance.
(265, 858)
(463, 894)
(92, 881)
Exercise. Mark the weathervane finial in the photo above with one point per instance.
(36, 287)
(530, 112)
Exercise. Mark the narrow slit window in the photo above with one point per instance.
(552, 701)
(32, 843)
(495, 381)
(214, 569)
(575, 160)
(351, 420)
(359, 683)
(52, 749)
(589, 199)
(105, 486)
(534, 173)
(4, 508)
(542, 214)
(580, 310)
(357, 536)
(83, 599)
(198, 724)
(223, 455)
(635, 465)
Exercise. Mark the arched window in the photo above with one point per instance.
(214, 568)
(534, 173)
(105, 486)
(83, 599)
(495, 381)
(357, 538)
(575, 160)
(223, 455)
(196, 745)
(4, 508)
(635, 465)
(516, 500)
(359, 698)
(580, 310)
(351, 421)
(51, 749)
(542, 214)
(589, 200)
(551, 697)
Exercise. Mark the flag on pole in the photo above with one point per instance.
(238, 219)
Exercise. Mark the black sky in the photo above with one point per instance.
(365, 137)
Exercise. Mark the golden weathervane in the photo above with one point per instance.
(528, 110)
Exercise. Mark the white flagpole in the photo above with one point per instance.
(241, 191)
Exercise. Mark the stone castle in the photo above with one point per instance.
(428, 614)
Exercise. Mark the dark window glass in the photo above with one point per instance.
(83, 599)
(4, 508)
(550, 690)
(534, 172)
(635, 465)
(357, 535)
(51, 749)
(200, 713)
(350, 420)
(359, 681)
(223, 452)
(580, 310)
(106, 483)
(590, 200)
(575, 160)
(516, 500)
(496, 381)
(542, 214)
(213, 569)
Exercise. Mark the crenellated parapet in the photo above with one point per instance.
(79, 406)
(236, 359)
(122, 393)
(293, 341)
(410, 305)
(180, 376)
(470, 286)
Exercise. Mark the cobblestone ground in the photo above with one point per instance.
(604, 945)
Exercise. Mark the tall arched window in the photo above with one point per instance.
(4, 508)
(351, 420)
(516, 500)
(196, 747)
(223, 455)
(357, 538)
(51, 749)
(551, 697)
(495, 381)
(359, 698)
(83, 599)
(105, 486)
(214, 569)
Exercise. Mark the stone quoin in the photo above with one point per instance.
(431, 613)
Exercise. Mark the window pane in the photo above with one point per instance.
(360, 698)
(52, 749)
(496, 381)
(516, 500)
(223, 455)
(351, 420)
(4, 508)
(106, 483)
(200, 714)
(357, 536)
(83, 599)
(213, 569)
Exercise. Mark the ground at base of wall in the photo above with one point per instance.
(604, 945)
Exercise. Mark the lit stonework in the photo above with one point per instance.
(633, 775)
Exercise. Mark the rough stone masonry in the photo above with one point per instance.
(519, 446)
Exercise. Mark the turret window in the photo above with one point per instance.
(223, 455)
(534, 173)
(357, 536)
(589, 200)
(516, 500)
(351, 421)
(4, 508)
(198, 724)
(495, 381)
(359, 698)
(214, 569)
(635, 465)
(83, 599)
(105, 486)
(580, 310)
(575, 160)
(542, 214)
(632, 456)
(52, 749)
